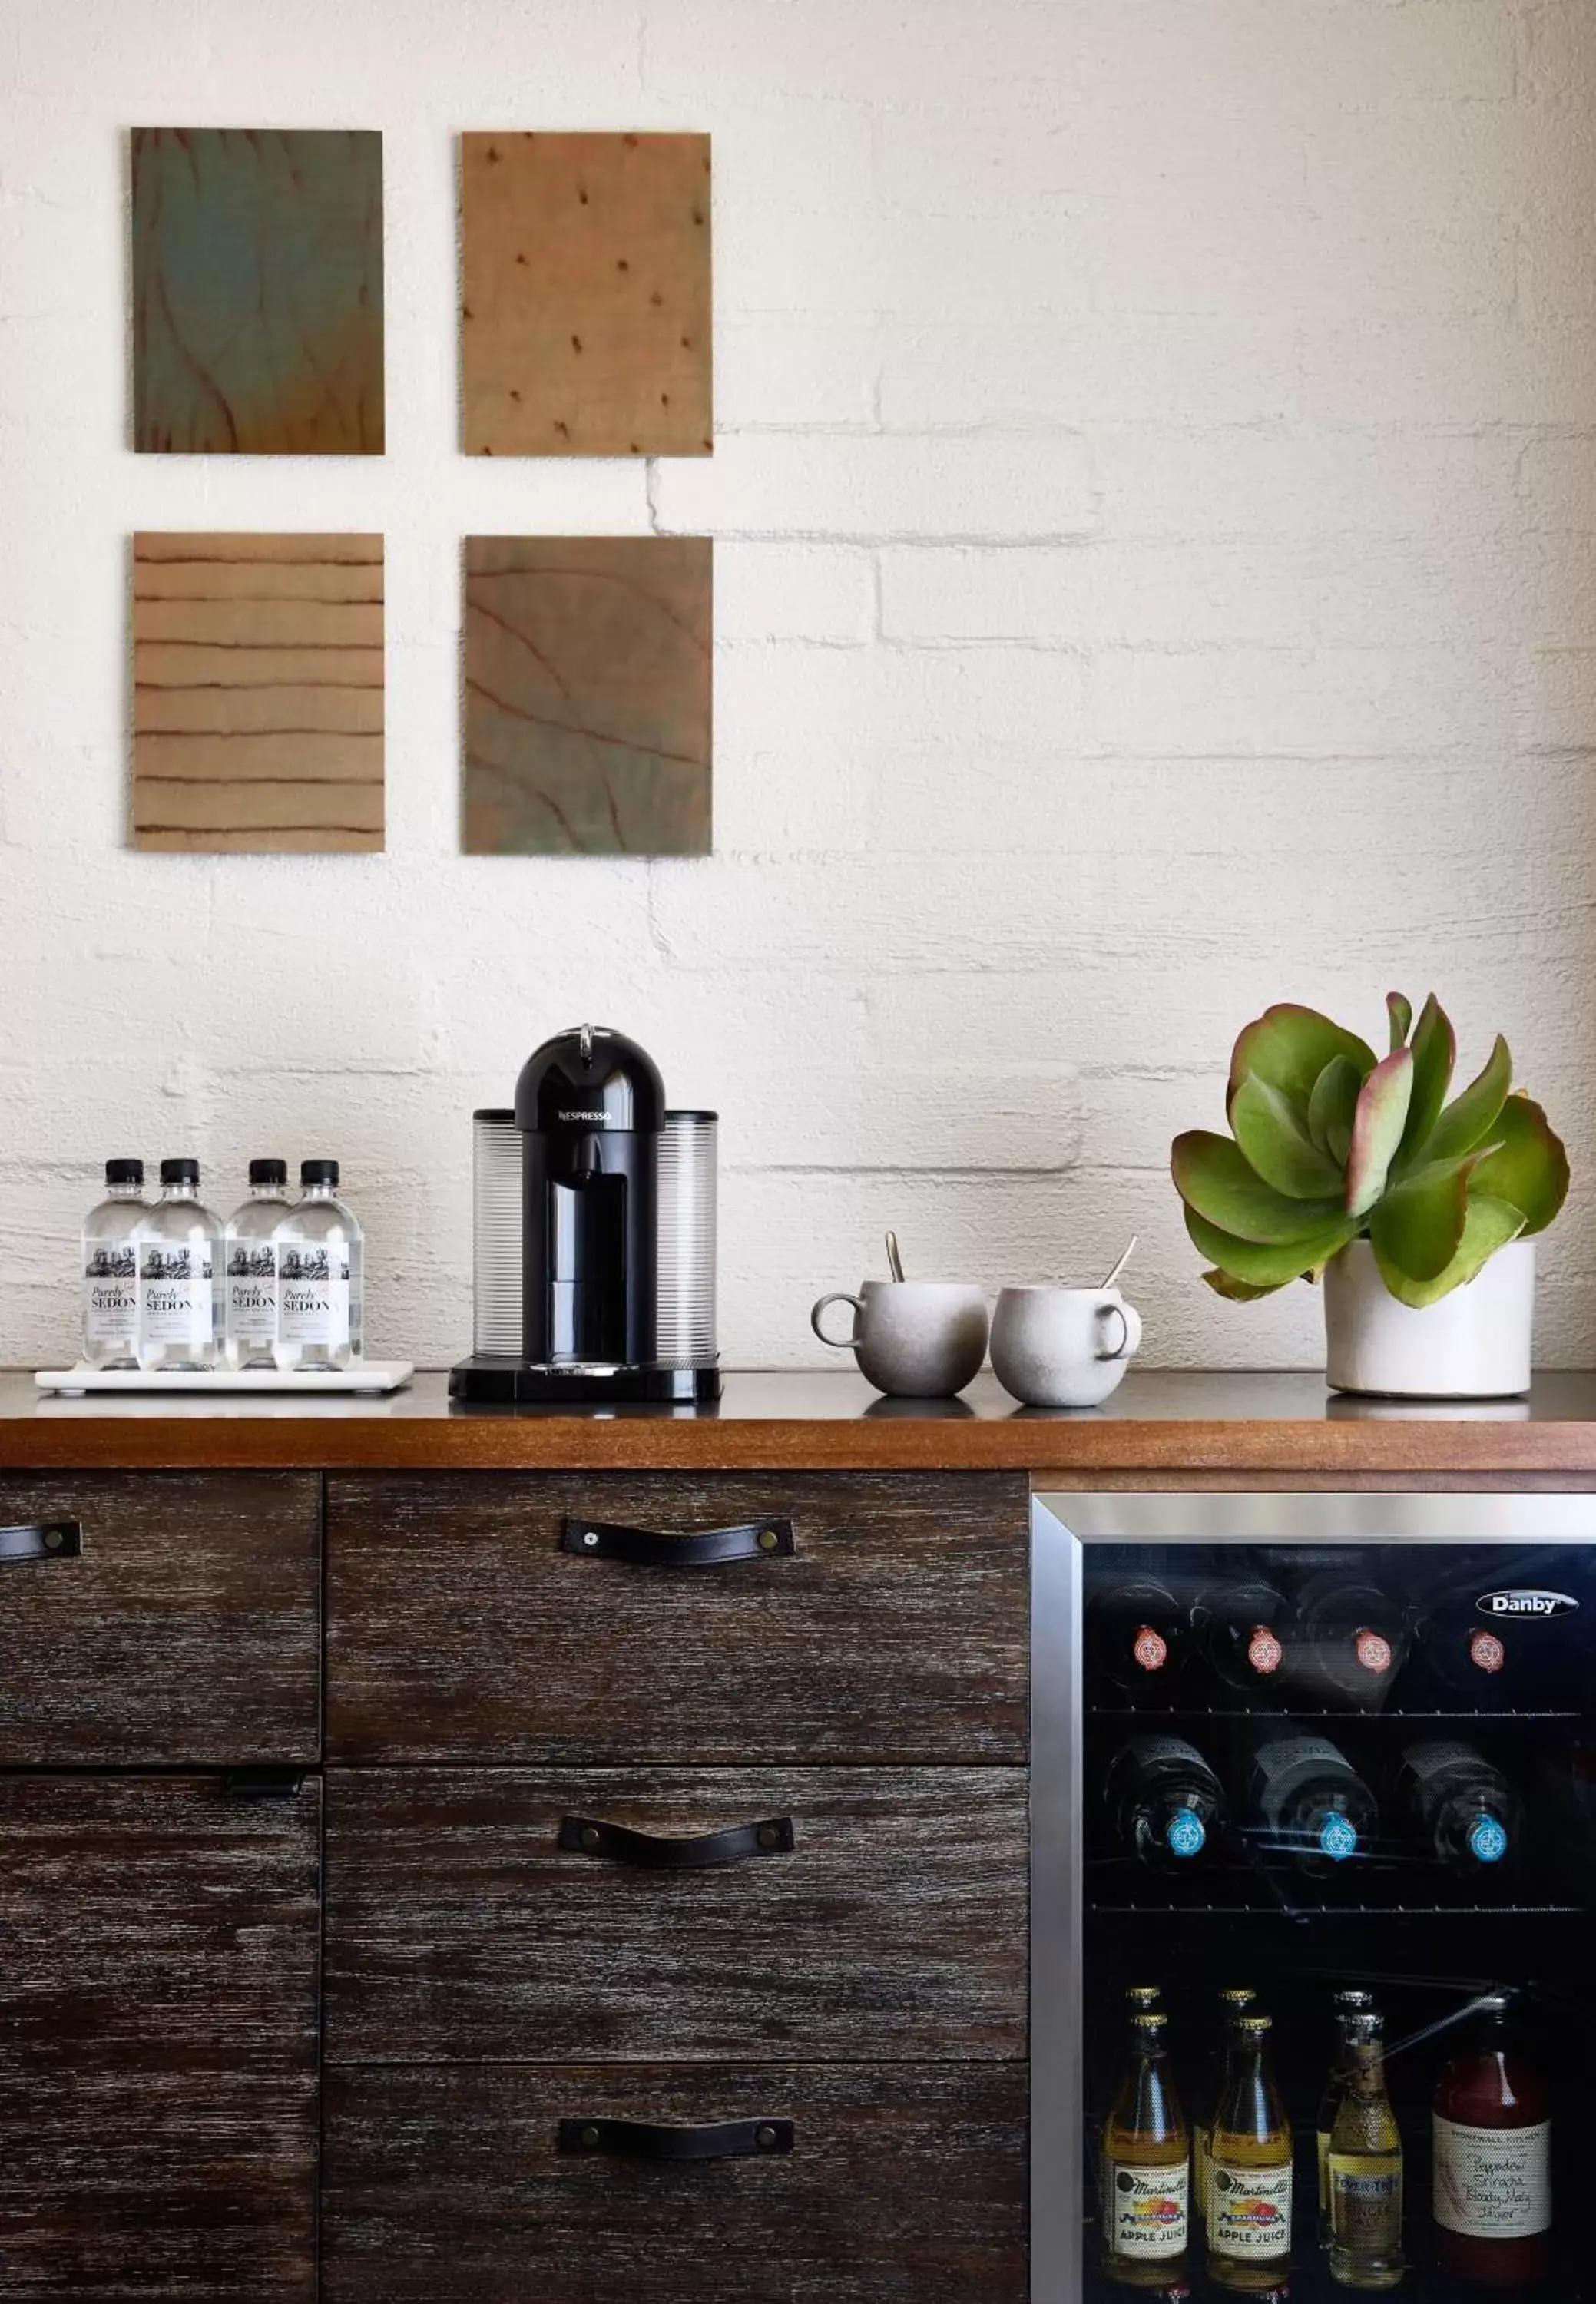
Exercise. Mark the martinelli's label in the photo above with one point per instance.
(1249, 2210)
(1365, 2204)
(1147, 2209)
(1492, 2183)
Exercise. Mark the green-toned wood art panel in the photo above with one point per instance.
(588, 695)
(257, 292)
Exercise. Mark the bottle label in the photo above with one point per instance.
(1492, 2183)
(1264, 1652)
(1486, 1652)
(1150, 2209)
(176, 1284)
(1250, 2211)
(1150, 1648)
(252, 1292)
(111, 1293)
(1365, 2204)
(1372, 1650)
(1487, 1840)
(313, 1293)
(1338, 1837)
(1185, 1833)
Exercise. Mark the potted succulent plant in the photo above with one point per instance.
(1420, 1213)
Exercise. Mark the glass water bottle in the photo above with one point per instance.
(111, 1269)
(180, 1245)
(319, 1276)
(249, 1261)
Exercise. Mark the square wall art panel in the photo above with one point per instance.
(258, 692)
(588, 695)
(585, 317)
(258, 317)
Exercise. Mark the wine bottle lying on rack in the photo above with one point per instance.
(1137, 1636)
(1310, 1802)
(1241, 1632)
(1164, 1798)
(1353, 1639)
(1464, 1811)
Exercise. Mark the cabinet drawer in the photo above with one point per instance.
(460, 1929)
(902, 2185)
(159, 1617)
(158, 2040)
(895, 1628)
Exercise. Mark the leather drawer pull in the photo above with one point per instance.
(54, 1539)
(588, 1836)
(651, 1547)
(640, 2139)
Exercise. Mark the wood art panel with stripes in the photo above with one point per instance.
(258, 692)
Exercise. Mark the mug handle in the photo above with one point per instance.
(837, 1344)
(1130, 1330)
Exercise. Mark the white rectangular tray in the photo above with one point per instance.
(365, 1376)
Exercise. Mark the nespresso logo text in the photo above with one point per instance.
(1526, 1604)
(584, 1115)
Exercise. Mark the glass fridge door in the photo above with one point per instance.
(1333, 1849)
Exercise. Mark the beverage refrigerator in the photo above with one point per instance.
(1328, 1761)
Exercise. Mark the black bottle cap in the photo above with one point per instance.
(124, 1171)
(318, 1172)
(268, 1171)
(180, 1172)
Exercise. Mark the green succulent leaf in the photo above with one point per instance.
(1491, 1225)
(1273, 1134)
(1239, 1292)
(1402, 1017)
(1330, 1109)
(1419, 1223)
(1470, 1117)
(1211, 1175)
(1377, 1128)
(1526, 1165)
(1435, 1052)
(1260, 1266)
(1289, 1046)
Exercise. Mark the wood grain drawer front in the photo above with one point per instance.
(158, 2040)
(904, 2185)
(460, 1929)
(175, 1618)
(895, 1630)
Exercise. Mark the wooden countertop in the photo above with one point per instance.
(1164, 1424)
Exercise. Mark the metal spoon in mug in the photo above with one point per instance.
(895, 1262)
(1124, 1259)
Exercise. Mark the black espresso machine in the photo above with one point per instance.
(593, 1218)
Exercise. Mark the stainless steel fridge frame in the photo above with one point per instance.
(1062, 1525)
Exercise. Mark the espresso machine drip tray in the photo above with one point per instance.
(489, 1382)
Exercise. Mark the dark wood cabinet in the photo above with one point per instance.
(158, 1985)
(460, 1928)
(895, 1630)
(175, 1618)
(905, 2184)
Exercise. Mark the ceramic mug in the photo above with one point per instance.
(1063, 1347)
(913, 1339)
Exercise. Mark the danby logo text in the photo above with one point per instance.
(1525, 1604)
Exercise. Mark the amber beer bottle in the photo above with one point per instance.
(1234, 2002)
(1347, 2004)
(1147, 2168)
(1249, 2230)
(1365, 2168)
(1492, 2177)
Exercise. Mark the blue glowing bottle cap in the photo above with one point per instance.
(1487, 1840)
(1185, 1833)
(1338, 1837)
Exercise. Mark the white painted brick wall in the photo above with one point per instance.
(1156, 486)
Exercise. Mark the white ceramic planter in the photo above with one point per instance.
(1475, 1345)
